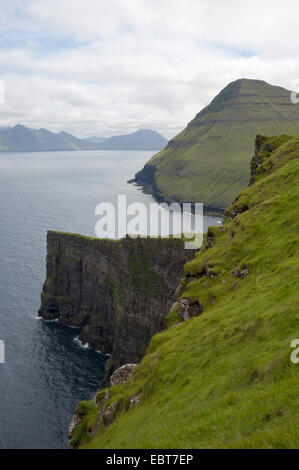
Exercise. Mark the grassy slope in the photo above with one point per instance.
(224, 379)
(209, 161)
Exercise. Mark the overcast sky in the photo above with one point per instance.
(106, 67)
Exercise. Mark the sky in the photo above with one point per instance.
(107, 67)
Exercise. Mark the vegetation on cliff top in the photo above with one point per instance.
(224, 379)
(209, 161)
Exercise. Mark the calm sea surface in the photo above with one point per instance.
(46, 372)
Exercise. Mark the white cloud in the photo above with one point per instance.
(94, 66)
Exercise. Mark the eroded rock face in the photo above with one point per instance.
(240, 273)
(122, 374)
(118, 292)
(263, 150)
(135, 399)
(103, 402)
(188, 309)
(76, 420)
(110, 414)
(210, 240)
(236, 209)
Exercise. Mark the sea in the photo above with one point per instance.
(47, 371)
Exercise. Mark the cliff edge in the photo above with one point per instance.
(118, 292)
(222, 374)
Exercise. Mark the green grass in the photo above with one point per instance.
(208, 162)
(224, 379)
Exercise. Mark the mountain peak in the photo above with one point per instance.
(250, 88)
(208, 161)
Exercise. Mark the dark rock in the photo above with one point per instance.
(244, 272)
(179, 290)
(254, 375)
(135, 399)
(189, 279)
(188, 309)
(110, 414)
(267, 418)
(236, 209)
(263, 150)
(206, 270)
(237, 273)
(210, 240)
(99, 417)
(118, 292)
(76, 420)
(209, 272)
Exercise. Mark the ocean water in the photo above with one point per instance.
(46, 371)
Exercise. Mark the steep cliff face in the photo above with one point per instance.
(221, 375)
(118, 292)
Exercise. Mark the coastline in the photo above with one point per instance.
(149, 188)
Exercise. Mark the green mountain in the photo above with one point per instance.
(143, 139)
(209, 161)
(224, 377)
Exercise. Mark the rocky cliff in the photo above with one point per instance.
(118, 292)
(221, 375)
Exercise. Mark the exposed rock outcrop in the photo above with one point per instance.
(110, 414)
(76, 420)
(188, 308)
(135, 399)
(263, 149)
(122, 374)
(240, 272)
(210, 239)
(118, 292)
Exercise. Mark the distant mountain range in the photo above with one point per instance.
(209, 160)
(24, 139)
(144, 139)
(95, 139)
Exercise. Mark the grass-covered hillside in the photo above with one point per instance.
(224, 379)
(209, 161)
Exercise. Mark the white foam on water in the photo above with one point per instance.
(78, 341)
(50, 321)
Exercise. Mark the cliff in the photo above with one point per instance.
(209, 160)
(118, 292)
(221, 374)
